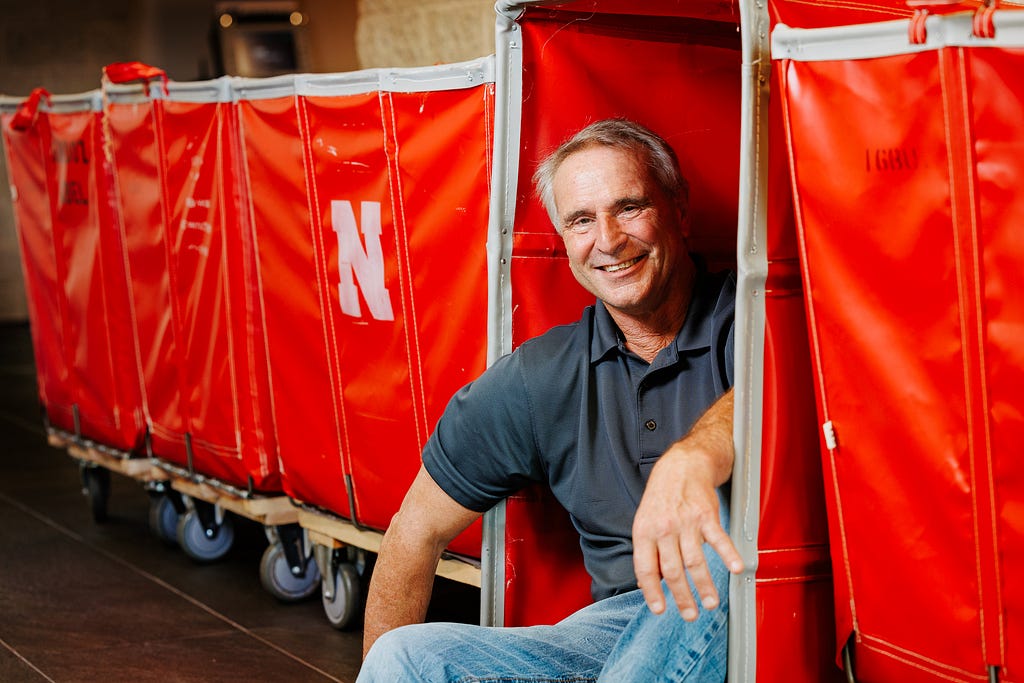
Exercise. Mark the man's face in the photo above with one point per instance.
(624, 236)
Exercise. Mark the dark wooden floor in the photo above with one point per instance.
(82, 601)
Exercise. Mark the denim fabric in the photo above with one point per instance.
(617, 640)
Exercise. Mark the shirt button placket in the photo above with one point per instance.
(647, 425)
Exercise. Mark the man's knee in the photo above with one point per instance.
(392, 656)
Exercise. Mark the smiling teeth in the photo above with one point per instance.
(620, 266)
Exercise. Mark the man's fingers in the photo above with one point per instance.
(718, 539)
(692, 551)
(674, 570)
(697, 568)
(648, 575)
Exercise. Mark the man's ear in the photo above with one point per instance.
(684, 221)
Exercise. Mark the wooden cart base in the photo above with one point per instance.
(335, 532)
(341, 551)
(190, 511)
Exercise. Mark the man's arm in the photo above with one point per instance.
(403, 576)
(679, 512)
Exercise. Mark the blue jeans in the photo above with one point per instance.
(615, 640)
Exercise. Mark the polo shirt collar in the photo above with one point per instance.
(606, 336)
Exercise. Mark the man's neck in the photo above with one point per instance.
(647, 345)
(647, 340)
(647, 334)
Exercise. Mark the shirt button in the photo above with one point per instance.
(651, 425)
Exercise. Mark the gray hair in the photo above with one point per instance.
(652, 150)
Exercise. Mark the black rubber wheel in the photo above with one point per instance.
(346, 597)
(97, 488)
(193, 539)
(277, 578)
(163, 519)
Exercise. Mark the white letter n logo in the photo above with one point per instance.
(368, 266)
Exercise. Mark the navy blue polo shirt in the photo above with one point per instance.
(575, 409)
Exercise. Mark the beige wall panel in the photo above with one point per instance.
(424, 32)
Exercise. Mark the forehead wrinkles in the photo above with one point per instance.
(599, 178)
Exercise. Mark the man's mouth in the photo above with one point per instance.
(623, 265)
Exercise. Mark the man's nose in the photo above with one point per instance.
(610, 236)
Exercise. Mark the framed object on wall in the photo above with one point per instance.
(259, 38)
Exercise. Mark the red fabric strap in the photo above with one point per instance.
(917, 32)
(127, 72)
(25, 116)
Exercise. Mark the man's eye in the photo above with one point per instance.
(581, 223)
(631, 211)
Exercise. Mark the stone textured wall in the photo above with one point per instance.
(425, 32)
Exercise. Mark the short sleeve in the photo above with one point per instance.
(483, 448)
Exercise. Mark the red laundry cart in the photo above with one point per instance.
(171, 145)
(174, 152)
(135, 158)
(687, 70)
(27, 147)
(73, 265)
(368, 200)
(905, 141)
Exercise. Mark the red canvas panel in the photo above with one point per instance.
(135, 155)
(304, 411)
(196, 197)
(545, 579)
(28, 154)
(89, 257)
(795, 640)
(414, 333)
(178, 192)
(127, 388)
(801, 14)
(712, 10)
(995, 79)
(795, 615)
(250, 371)
(64, 207)
(373, 347)
(368, 337)
(908, 220)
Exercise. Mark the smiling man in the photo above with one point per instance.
(626, 415)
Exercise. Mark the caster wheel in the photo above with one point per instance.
(344, 601)
(163, 519)
(96, 482)
(193, 539)
(363, 561)
(277, 578)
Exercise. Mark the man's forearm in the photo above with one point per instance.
(711, 438)
(403, 579)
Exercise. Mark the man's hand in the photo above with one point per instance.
(679, 513)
